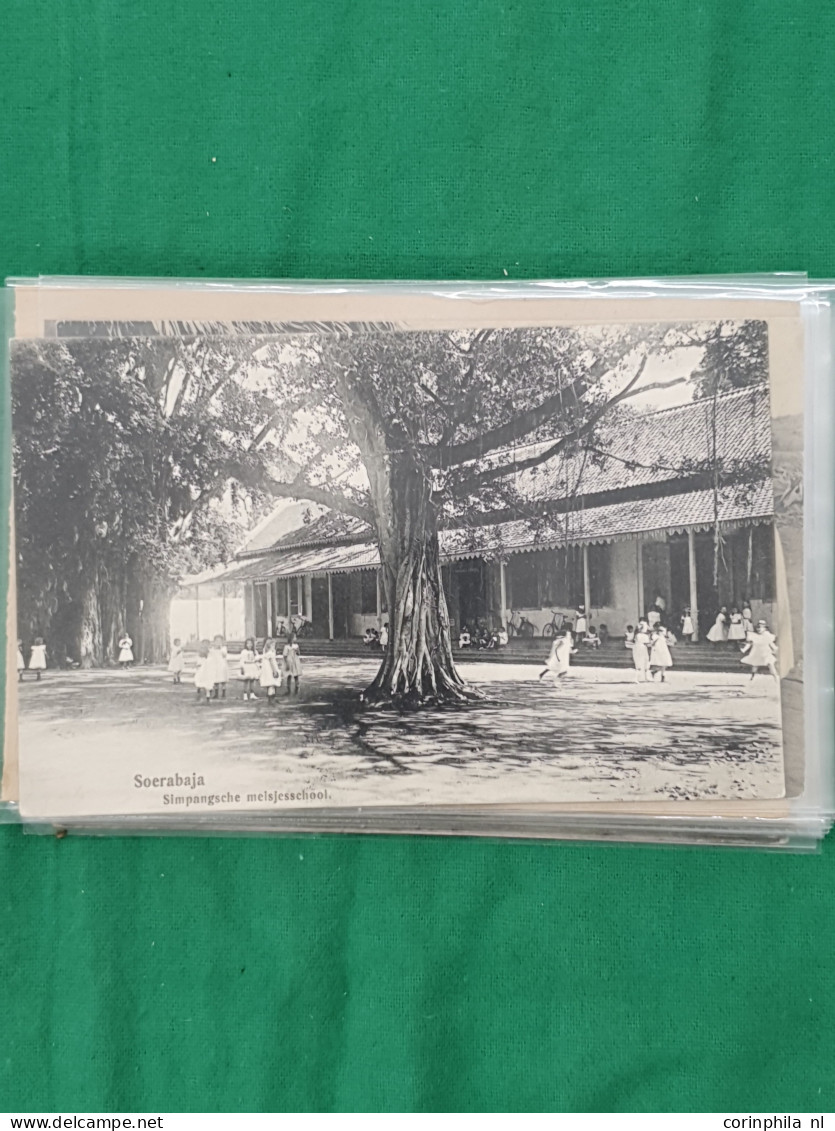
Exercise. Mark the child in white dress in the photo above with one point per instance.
(640, 652)
(761, 650)
(218, 667)
(270, 674)
(125, 651)
(177, 660)
(629, 636)
(718, 631)
(736, 627)
(250, 668)
(203, 679)
(292, 662)
(687, 626)
(559, 658)
(659, 653)
(37, 657)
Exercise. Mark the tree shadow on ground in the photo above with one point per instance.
(609, 730)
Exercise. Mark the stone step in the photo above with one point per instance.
(686, 657)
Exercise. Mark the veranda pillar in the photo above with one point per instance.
(330, 606)
(503, 590)
(639, 573)
(694, 589)
(586, 582)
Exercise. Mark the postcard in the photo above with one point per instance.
(508, 561)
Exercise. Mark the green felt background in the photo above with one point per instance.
(433, 139)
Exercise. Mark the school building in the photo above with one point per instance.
(675, 504)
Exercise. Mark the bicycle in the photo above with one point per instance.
(301, 625)
(524, 628)
(558, 623)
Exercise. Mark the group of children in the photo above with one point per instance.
(265, 669)
(377, 641)
(650, 645)
(735, 626)
(564, 647)
(482, 637)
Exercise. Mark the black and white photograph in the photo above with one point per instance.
(340, 565)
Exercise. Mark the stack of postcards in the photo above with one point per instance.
(541, 560)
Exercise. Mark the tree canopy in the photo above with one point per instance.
(122, 453)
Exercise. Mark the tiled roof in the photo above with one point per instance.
(286, 527)
(327, 528)
(656, 447)
(668, 513)
(292, 563)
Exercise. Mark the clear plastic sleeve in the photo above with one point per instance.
(799, 319)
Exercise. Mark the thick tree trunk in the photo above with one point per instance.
(90, 650)
(155, 613)
(418, 667)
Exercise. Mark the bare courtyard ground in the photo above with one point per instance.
(87, 736)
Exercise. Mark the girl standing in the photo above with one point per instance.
(177, 660)
(269, 676)
(687, 627)
(292, 662)
(250, 668)
(559, 658)
(761, 650)
(202, 677)
(218, 667)
(37, 658)
(736, 628)
(747, 618)
(581, 623)
(718, 631)
(640, 652)
(125, 651)
(659, 655)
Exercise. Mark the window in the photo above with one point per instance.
(523, 581)
(368, 591)
(554, 578)
(293, 589)
(280, 597)
(261, 628)
(562, 574)
(600, 575)
(752, 563)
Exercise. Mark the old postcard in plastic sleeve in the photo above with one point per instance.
(508, 561)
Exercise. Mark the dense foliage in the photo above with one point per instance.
(123, 453)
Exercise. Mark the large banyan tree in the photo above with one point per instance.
(411, 432)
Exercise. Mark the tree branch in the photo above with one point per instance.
(479, 478)
(452, 455)
(478, 340)
(325, 496)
